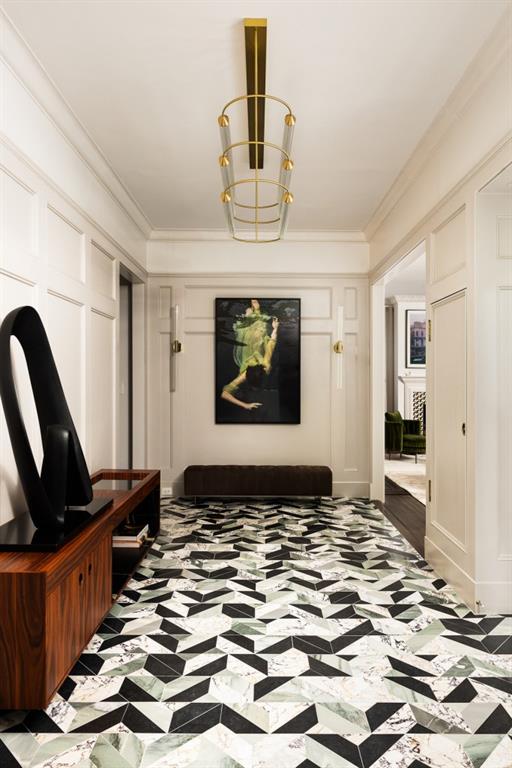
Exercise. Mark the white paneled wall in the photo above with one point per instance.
(334, 419)
(55, 259)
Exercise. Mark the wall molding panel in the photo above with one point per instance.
(53, 258)
(334, 421)
(504, 412)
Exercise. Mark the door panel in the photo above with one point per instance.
(64, 625)
(75, 608)
(98, 585)
(448, 402)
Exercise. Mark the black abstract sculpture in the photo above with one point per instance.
(64, 480)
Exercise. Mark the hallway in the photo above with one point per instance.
(280, 633)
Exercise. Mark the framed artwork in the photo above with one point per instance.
(416, 338)
(257, 361)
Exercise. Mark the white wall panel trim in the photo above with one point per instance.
(65, 297)
(436, 524)
(107, 315)
(65, 219)
(17, 276)
(504, 414)
(453, 573)
(17, 179)
(504, 237)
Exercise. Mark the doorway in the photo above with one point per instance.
(406, 337)
(399, 410)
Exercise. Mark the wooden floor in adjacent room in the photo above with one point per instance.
(406, 513)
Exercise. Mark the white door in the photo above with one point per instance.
(447, 362)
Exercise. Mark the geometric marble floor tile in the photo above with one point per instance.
(295, 634)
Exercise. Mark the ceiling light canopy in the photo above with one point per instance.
(256, 197)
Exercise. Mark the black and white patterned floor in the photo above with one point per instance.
(296, 635)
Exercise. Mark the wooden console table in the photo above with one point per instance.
(51, 603)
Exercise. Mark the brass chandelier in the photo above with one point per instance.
(256, 206)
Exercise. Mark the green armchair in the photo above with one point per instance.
(403, 435)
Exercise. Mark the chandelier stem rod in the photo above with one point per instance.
(257, 148)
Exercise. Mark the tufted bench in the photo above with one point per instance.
(257, 480)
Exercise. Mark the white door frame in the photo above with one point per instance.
(378, 365)
(139, 368)
(378, 385)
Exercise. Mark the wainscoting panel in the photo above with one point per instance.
(102, 267)
(165, 416)
(350, 303)
(15, 293)
(504, 421)
(316, 301)
(69, 353)
(18, 226)
(56, 259)
(102, 411)
(504, 237)
(66, 246)
(334, 415)
(18, 216)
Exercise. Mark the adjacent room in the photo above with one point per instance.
(255, 373)
(405, 416)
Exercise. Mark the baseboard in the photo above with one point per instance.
(357, 490)
(339, 488)
(452, 573)
(494, 596)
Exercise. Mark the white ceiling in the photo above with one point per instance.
(148, 80)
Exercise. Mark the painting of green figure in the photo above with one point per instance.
(257, 359)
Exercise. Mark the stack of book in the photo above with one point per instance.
(129, 537)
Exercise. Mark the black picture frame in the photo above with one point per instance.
(257, 360)
(415, 338)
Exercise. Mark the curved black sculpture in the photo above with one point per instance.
(64, 480)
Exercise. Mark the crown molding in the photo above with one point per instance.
(292, 236)
(417, 233)
(258, 276)
(22, 61)
(490, 54)
(403, 298)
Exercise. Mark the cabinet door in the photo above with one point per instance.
(98, 586)
(64, 626)
(75, 608)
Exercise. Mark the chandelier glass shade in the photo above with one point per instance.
(256, 172)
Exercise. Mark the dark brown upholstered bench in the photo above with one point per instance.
(257, 480)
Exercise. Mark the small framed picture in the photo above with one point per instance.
(415, 338)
